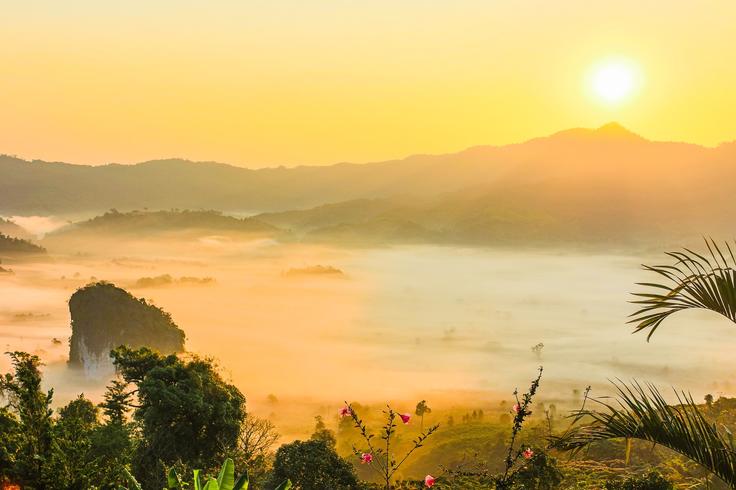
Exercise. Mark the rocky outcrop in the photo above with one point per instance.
(105, 316)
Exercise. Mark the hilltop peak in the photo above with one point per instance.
(614, 129)
(611, 131)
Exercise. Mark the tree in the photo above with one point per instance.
(73, 462)
(116, 402)
(709, 400)
(32, 407)
(187, 413)
(322, 433)
(693, 281)
(313, 465)
(537, 350)
(113, 440)
(422, 408)
(9, 444)
(257, 437)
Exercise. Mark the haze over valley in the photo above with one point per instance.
(433, 262)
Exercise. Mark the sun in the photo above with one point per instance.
(614, 81)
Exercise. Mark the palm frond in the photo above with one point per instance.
(642, 413)
(693, 281)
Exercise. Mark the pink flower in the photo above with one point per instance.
(528, 453)
(405, 417)
(345, 411)
(366, 458)
(516, 408)
(429, 481)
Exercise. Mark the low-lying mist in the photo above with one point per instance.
(451, 325)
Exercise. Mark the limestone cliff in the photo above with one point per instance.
(105, 316)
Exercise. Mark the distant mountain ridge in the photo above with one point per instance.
(605, 185)
(591, 155)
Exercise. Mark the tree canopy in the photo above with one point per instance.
(186, 411)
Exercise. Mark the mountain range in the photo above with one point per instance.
(602, 184)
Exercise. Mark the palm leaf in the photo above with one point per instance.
(642, 413)
(694, 281)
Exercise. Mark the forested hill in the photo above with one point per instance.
(150, 223)
(11, 246)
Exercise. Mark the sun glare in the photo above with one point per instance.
(614, 81)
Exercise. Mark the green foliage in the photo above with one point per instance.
(10, 443)
(105, 316)
(322, 433)
(644, 414)
(650, 481)
(32, 406)
(186, 412)
(512, 470)
(312, 465)
(225, 479)
(113, 441)
(73, 462)
(131, 480)
(694, 281)
(117, 401)
(540, 472)
(506, 466)
(383, 460)
(69, 452)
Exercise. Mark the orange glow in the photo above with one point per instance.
(268, 83)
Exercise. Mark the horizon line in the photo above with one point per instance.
(625, 131)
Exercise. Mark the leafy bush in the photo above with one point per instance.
(650, 481)
(313, 465)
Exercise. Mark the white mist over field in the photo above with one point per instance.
(441, 323)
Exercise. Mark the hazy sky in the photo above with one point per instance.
(287, 82)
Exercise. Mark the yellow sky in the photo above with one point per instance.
(273, 82)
